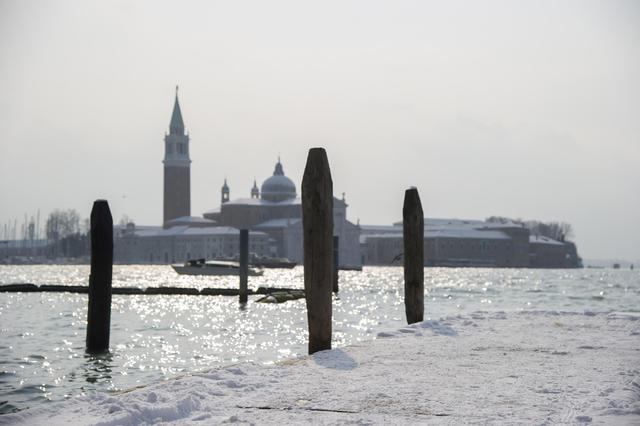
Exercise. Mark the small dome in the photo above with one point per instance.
(278, 187)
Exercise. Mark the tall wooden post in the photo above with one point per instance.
(99, 313)
(317, 222)
(413, 233)
(244, 264)
(336, 262)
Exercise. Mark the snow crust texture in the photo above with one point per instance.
(484, 368)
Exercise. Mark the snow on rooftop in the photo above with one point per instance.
(191, 219)
(380, 229)
(541, 239)
(481, 368)
(137, 227)
(278, 223)
(186, 230)
(469, 233)
(454, 222)
(473, 233)
(436, 223)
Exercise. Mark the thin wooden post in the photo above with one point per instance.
(317, 222)
(99, 313)
(244, 264)
(413, 233)
(336, 262)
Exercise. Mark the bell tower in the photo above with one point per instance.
(225, 192)
(177, 168)
(255, 192)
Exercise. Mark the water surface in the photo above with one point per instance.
(157, 337)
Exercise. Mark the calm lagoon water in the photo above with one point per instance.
(156, 337)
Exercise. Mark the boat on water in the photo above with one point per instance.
(272, 262)
(357, 268)
(265, 262)
(212, 267)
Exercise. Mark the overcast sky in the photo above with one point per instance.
(520, 109)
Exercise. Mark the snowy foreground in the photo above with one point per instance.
(531, 368)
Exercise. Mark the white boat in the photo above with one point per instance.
(212, 267)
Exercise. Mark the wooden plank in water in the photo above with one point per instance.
(172, 290)
(208, 291)
(15, 288)
(64, 288)
(221, 291)
(127, 290)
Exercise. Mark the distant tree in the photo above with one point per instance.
(52, 227)
(62, 223)
(63, 232)
(502, 220)
(566, 230)
(31, 230)
(496, 219)
(560, 231)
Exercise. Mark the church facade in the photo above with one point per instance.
(271, 213)
(276, 210)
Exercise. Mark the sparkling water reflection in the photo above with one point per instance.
(156, 337)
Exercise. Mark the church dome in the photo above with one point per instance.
(278, 187)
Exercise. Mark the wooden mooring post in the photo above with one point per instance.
(317, 223)
(413, 235)
(244, 264)
(336, 262)
(99, 312)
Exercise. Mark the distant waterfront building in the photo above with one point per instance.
(454, 242)
(273, 214)
(451, 242)
(177, 168)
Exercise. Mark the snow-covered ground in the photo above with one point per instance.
(527, 367)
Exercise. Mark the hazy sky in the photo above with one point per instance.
(521, 109)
